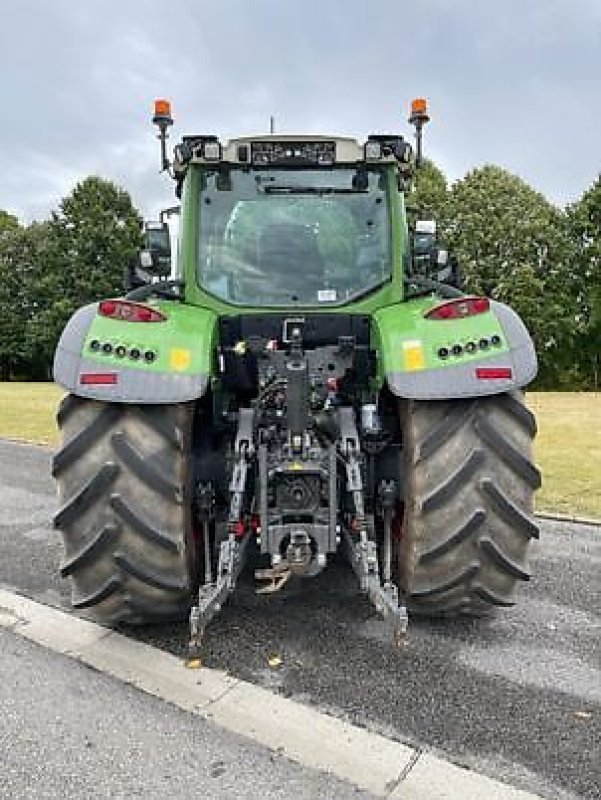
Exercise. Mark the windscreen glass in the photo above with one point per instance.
(280, 237)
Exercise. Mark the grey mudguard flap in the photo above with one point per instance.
(461, 381)
(133, 385)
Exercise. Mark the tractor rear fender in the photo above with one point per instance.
(120, 361)
(429, 359)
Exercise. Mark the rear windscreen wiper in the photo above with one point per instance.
(311, 190)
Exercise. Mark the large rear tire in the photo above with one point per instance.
(123, 475)
(468, 504)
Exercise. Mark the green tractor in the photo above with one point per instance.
(309, 379)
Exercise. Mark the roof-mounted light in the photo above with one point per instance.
(162, 113)
(373, 151)
(211, 151)
(162, 119)
(419, 110)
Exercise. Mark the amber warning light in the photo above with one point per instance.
(419, 110)
(162, 119)
(162, 110)
(418, 117)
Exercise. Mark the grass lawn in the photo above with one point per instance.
(568, 446)
(27, 411)
(568, 451)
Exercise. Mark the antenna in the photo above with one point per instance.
(272, 124)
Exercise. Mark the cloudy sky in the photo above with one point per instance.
(516, 83)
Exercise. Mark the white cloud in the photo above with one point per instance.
(513, 83)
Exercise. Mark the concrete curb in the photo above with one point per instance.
(568, 518)
(303, 734)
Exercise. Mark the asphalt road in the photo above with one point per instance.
(517, 696)
(90, 736)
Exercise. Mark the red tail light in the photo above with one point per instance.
(129, 312)
(493, 373)
(462, 307)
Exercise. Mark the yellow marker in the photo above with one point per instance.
(413, 353)
(180, 359)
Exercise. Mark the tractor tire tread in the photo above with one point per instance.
(89, 549)
(146, 470)
(126, 565)
(468, 503)
(509, 511)
(136, 519)
(87, 495)
(74, 448)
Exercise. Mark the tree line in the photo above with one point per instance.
(512, 244)
(49, 269)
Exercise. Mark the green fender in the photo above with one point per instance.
(169, 361)
(496, 352)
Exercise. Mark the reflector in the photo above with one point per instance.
(98, 378)
(493, 373)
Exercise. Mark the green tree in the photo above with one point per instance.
(429, 197)
(82, 257)
(585, 226)
(8, 222)
(12, 321)
(514, 246)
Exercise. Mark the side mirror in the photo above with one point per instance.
(445, 268)
(155, 258)
(423, 244)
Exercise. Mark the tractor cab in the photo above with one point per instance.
(293, 221)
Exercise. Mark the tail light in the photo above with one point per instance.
(460, 308)
(127, 311)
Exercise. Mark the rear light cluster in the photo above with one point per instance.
(470, 347)
(127, 311)
(121, 351)
(460, 308)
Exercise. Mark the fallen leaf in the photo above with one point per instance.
(193, 663)
(274, 661)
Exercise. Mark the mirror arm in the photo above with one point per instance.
(169, 290)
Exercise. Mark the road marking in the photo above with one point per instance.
(300, 733)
